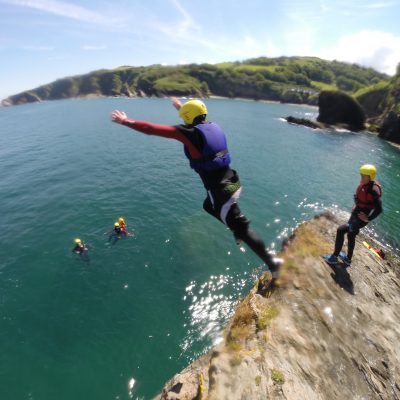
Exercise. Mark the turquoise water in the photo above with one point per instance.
(121, 324)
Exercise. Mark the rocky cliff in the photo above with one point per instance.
(325, 333)
(336, 107)
(382, 107)
(335, 110)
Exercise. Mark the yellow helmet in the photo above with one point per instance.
(116, 224)
(368, 169)
(78, 241)
(192, 109)
(121, 220)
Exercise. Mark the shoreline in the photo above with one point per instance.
(91, 96)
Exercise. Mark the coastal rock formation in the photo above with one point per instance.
(336, 110)
(22, 98)
(382, 107)
(285, 79)
(326, 333)
(390, 128)
(339, 108)
(306, 122)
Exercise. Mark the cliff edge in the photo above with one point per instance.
(326, 333)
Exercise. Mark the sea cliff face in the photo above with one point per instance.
(336, 110)
(325, 333)
(382, 106)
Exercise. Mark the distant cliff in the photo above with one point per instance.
(285, 79)
(375, 108)
(326, 333)
(381, 103)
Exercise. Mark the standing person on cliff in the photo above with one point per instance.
(206, 148)
(367, 206)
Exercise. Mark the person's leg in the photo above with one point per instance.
(354, 230)
(209, 206)
(341, 231)
(351, 242)
(223, 206)
(239, 225)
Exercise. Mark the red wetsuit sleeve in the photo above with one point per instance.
(166, 131)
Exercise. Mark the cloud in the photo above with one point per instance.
(185, 29)
(378, 5)
(376, 49)
(38, 48)
(181, 10)
(60, 8)
(207, 48)
(93, 48)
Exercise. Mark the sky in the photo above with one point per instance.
(43, 40)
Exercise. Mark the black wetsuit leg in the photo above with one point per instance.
(351, 243)
(238, 224)
(341, 231)
(352, 228)
(209, 207)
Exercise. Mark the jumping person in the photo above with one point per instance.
(368, 205)
(206, 148)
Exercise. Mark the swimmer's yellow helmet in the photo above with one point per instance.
(369, 170)
(116, 224)
(192, 109)
(78, 241)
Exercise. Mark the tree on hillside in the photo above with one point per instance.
(145, 85)
(64, 88)
(89, 85)
(347, 84)
(116, 85)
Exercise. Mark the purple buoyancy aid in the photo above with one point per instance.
(215, 153)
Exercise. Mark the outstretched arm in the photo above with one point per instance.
(148, 128)
(176, 103)
(166, 131)
(118, 116)
(145, 127)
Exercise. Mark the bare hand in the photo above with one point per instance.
(176, 103)
(363, 217)
(118, 116)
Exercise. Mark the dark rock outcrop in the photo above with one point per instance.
(339, 108)
(336, 110)
(305, 122)
(390, 128)
(327, 333)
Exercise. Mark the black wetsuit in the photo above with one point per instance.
(79, 249)
(353, 226)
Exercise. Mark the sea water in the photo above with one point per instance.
(118, 325)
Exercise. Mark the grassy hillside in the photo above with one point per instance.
(286, 79)
(381, 98)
